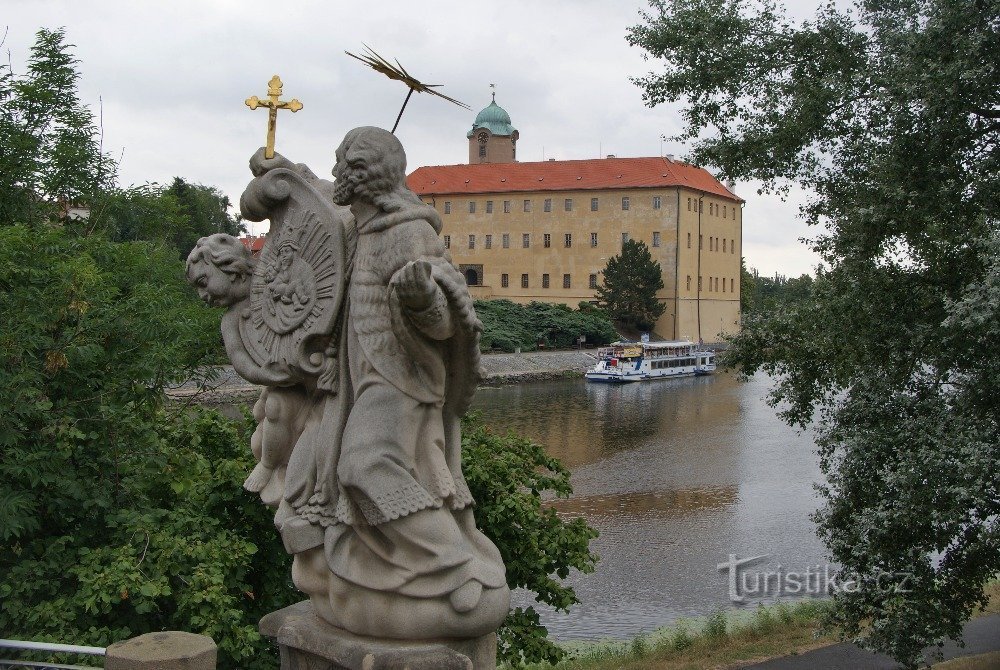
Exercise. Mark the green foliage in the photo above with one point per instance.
(508, 326)
(117, 517)
(629, 284)
(51, 151)
(888, 115)
(508, 475)
(767, 294)
(178, 214)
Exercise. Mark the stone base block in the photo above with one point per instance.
(307, 642)
(170, 650)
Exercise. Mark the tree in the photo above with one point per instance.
(629, 285)
(179, 214)
(890, 116)
(51, 151)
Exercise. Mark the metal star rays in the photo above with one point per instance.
(397, 72)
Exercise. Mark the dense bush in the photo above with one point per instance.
(508, 325)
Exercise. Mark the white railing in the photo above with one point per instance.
(23, 645)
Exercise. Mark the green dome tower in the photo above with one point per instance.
(493, 139)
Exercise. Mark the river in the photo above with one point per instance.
(676, 475)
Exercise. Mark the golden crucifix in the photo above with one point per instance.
(273, 105)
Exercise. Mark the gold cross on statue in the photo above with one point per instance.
(273, 105)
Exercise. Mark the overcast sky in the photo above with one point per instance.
(171, 79)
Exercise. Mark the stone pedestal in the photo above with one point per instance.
(170, 650)
(307, 642)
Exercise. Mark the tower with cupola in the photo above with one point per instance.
(493, 139)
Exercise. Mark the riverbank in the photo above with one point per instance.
(779, 637)
(225, 386)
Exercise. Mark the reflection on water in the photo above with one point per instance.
(676, 475)
(661, 504)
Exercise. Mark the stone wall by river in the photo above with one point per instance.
(498, 370)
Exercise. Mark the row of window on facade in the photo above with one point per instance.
(547, 205)
(567, 281)
(714, 209)
(728, 245)
(713, 284)
(546, 240)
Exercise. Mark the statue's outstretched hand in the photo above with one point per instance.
(260, 166)
(415, 286)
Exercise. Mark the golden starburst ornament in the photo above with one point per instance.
(399, 73)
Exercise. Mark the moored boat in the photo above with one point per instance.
(624, 362)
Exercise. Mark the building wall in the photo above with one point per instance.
(660, 228)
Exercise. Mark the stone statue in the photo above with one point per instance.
(364, 335)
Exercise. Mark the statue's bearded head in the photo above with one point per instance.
(371, 165)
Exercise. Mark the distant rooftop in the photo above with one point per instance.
(593, 174)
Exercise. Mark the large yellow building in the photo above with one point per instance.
(545, 230)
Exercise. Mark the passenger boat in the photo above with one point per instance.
(639, 361)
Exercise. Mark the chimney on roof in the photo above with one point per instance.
(670, 157)
(611, 155)
(552, 159)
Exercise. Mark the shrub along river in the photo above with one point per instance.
(676, 475)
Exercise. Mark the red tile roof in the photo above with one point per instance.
(254, 244)
(598, 173)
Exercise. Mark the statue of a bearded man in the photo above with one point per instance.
(378, 366)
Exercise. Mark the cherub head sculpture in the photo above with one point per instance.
(219, 267)
(371, 165)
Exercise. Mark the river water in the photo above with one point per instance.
(676, 475)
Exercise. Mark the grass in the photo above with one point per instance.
(735, 639)
(719, 640)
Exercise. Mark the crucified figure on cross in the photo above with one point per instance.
(273, 104)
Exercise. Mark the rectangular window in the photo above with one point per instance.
(593, 239)
(472, 207)
(524, 281)
(527, 205)
(505, 240)
(569, 240)
(482, 151)
(699, 283)
(689, 204)
(546, 240)
(526, 240)
(725, 212)
(447, 207)
(593, 281)
(724, 249)
(625, 203)
(566, 281)
(689, 283)
(489, 206)
(548, 204)
(545, 280)
(472, 241)
(689, 240)
(701, 207)
(701, 242)
(506, 206)
(504, 280)
(593, 204)
(656, 202)
(568, 204)
(447, 241)
(656, 239)
(489, 242)
(624, 238)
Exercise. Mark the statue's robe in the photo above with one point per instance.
(387, 490)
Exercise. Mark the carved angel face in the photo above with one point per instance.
(219, 268)
(214, 286)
